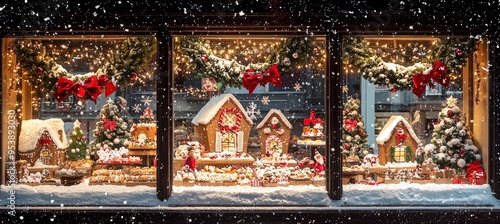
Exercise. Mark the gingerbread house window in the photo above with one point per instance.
(229, 142)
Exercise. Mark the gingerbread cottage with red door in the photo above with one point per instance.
(274, 133)
(42, 141)
(223, 125)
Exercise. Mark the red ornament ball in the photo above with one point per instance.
(459, 52)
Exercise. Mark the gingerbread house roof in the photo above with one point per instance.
(208, 112)
(276, 112)
(32, 130)
(386, 132)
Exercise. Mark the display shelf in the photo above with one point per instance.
(353, 176)
(178, 163)
(51, 170)
(42, 182)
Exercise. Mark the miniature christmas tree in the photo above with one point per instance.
(354, 136)
(77, 149)
(111, 130)
(451, 142)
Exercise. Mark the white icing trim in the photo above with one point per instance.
(277, 112)
(208, 112)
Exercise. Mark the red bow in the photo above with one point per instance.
(88, 89)
(109, 125)
(350, 125)
(44, 141)
(401, 136)
(437, 74)
(251, 79)
(475, 166)
(109, 87)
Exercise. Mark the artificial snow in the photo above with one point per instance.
(404, 194)
(31, 130)
(208, 112)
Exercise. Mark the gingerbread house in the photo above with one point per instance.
(397, 141)
(223, 125)
(42, 141)
(274, 133)
(144, 132)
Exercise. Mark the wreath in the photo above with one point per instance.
(288, 53)
(274, 125)
(42, 71)
(449, 56)
(230, 127)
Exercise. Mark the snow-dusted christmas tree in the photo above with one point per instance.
(77, 149)
(451, 142)
(111, 130)
(354, 136)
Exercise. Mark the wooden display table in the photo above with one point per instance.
(143, 151)
(51, 170)
(290, 163)
(108, 165)
(356, 176)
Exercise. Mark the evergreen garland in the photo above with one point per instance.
(289, 53)
(453, 52)
(43, 72)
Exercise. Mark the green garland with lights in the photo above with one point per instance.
(289, 53)
(453, 52)
(123, 67)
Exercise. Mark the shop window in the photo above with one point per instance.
(86, 108)
(243, 102)
(419, 126)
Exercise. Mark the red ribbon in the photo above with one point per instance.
(350, 125)
(401, 136)
(109, 87)
(437, 74)
(109, 125)
(88, 89)
(251, 79)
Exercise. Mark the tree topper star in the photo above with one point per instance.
(451, 101)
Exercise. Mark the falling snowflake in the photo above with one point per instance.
(136, 108)
(252, 111)
(297, 87)
(265, 100)
(147, 101)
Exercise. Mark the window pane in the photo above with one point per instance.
(86, 108)
(272, 136)
(409, 108)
